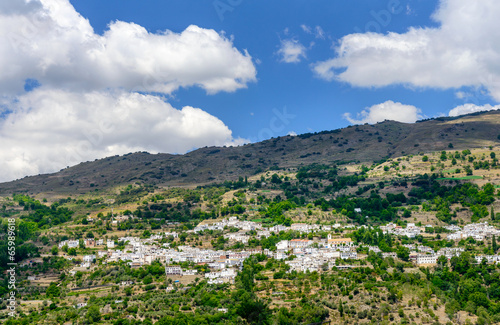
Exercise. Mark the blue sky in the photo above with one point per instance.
(259, 27)
(85, 79)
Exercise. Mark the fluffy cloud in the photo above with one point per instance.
(388, 110)
(471, 108)
(463, 51)
(51, 129)
(49, 41)
(88, 105)
(291, 51)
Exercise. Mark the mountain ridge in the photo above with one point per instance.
(356, 143)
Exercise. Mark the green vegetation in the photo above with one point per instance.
(337, 198)
(41, 214)
(459, 178)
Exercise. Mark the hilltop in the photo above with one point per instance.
(354, 144)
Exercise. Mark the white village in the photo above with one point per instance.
(301, 255)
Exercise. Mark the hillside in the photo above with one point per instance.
(363, 143)
(394, 242)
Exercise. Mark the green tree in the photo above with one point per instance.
(253, 309)
(478, 211)
(479, 299)
(93, 314)
(275, 179)
(148, 279)
(452, 307)
(403, 253)
(53, 290)
(54, 250)
(45, 240)
(442, 262)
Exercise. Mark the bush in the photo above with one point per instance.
(279, 275)
(53, 290)
(150, 287)
(148, 279)
(93, 314)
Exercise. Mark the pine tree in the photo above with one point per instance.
(341, 309)
(492, 213)
(494, 244)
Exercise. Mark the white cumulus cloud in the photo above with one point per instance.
(88, 104)
(49, 41)
(388, 110)
(463, 51)
(291, 51)
(51, 129)
(471, 108)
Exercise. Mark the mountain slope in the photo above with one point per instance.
(363, 143)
